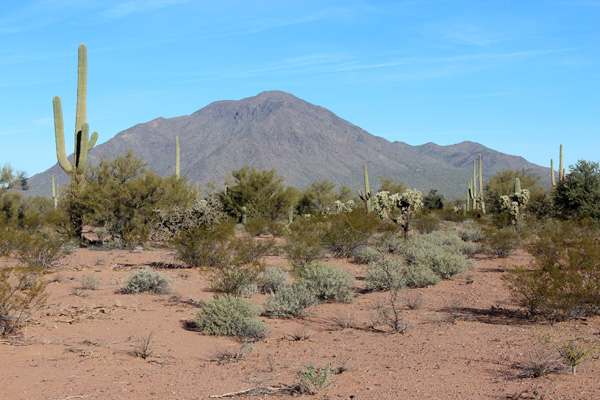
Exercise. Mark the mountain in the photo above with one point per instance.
(301, 141)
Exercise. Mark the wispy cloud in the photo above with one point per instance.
(138, 6)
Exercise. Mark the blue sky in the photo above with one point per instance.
(520, 77)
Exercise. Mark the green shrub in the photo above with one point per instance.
(347, 231)
(204, 247)
(22, 291)
(147, 280)
(327, 283)
(501, 242)
(89, 282)
(427, 222)
(231, 316)
(247, 250)
(237, 280)
(304, 242)
(443, 254)
(385, 274)
(39, 250)
(205, 213)
(290, 301)
(471, 232)
(563, 280)
(272, 280)
(312, 380)
(419, 275)
(122, 196)
(366, 254)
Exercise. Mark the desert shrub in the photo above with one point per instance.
(22, 291)
(147, 280)
(563, 279)
(272, 280)
(441, 253)
(205, 213)
(304, 242)
(418, 275)
(578, 195)
(237, 280)
(231, 316)
(366, 254)
(247, 250)
(427, 222)
(290, 301)
(122, 196)
(7, 240)
(471, 232)
(202, 247)
(385, 274)
(389, 242)
(327, 283)
(501, 242)
(39, 250)
(349, 230)
(312, 380)
(89, 282)
(262, 192)
(575, 351)
(448, 241)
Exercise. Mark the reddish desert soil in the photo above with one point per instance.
(466, 341)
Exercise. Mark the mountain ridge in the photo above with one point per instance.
(303, 142)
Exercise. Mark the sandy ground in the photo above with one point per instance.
(466, 341)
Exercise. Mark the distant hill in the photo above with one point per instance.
(301, 141)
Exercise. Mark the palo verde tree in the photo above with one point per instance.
(578, 194)
(262, 193)
(122, 197)
(83, 141)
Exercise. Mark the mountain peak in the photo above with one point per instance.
(303, 142)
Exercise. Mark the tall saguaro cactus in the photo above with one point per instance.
(83, 142)
(366, 195)
(177, 170)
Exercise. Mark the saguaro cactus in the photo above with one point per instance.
(366, 195)
(54, 194)
(83, 142)
(177, 171)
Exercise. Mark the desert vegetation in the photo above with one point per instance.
(241, 264)
(330, 251)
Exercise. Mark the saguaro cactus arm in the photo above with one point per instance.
(59, 132)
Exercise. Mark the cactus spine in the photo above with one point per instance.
(83, 142)
(366, 195)
(177, 171)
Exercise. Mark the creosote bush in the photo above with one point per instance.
(348, 230)
(147, 280)
(231, 316)
(563, 280)
(22, 291)
(305, 240)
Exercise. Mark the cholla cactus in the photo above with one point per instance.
(340, 207)
(399, 207)
(516, 202)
